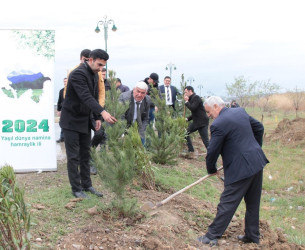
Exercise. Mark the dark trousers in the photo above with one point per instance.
(203, 131)
(61, 137)
(78, 156)
(250, 189)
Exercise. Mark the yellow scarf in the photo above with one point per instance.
(101, 87)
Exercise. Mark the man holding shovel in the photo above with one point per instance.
(237, 137)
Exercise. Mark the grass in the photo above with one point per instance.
(55, 220)
(173, 177)
(286, 169)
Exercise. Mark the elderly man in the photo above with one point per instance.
(80, 113)
(138, 109)
(238, 138)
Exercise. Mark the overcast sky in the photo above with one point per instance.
(211, 42)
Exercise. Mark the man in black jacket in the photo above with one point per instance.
(200, 119)
(59, 106)
(81, 112)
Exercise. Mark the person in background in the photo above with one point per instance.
(199, 117)
(120, 86)
(238, 138)
(234, 104)
(106, 82)
(59, 106)
(152, 81)
(138, 109)
(80, 113)
(170, 92)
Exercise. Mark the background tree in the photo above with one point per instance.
(298, 98)
(266, 90)
(242, 90)
(180, 107)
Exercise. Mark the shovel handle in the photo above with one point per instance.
(186, 188)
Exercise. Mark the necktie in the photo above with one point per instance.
(139, 120)
(167, 94)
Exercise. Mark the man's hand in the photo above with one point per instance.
(98, 125)
(186, 98)
(156, 109)
(58, 113)
(108, 118)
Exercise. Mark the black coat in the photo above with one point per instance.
(199, 116)
(238, 138)
(60, 99)
(81, 108)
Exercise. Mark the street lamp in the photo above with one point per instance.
(170, 66)
(200, 86)
(105, 23)
(190, 80)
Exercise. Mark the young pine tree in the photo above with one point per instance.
(165, 144)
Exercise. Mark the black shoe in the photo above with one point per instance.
(93, 191)
(245, 239)
(205, 240)
(80, 194)
(93, 170)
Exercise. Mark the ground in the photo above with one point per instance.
(290, 132)
(175, 225)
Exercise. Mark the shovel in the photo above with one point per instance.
(159, 204)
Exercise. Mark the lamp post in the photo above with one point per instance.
(190, 80)
(105, 24)
(200, 86)
(170, 66)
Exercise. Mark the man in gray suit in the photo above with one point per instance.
(238, 138)
(138, 109)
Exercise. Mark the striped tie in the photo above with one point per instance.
(167, 95)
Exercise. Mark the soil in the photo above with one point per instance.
(175, 225)
(290, 132)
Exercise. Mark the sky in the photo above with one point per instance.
(210, 42)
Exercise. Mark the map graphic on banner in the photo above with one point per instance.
(27, 135)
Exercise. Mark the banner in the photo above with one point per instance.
(27, 135)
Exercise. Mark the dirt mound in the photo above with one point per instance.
(290, 132)
(176, 225)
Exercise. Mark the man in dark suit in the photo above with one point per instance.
(81, 112)
(200, 119)
(238, 138)
(138, 109)
(170, 92)
(59, 106)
